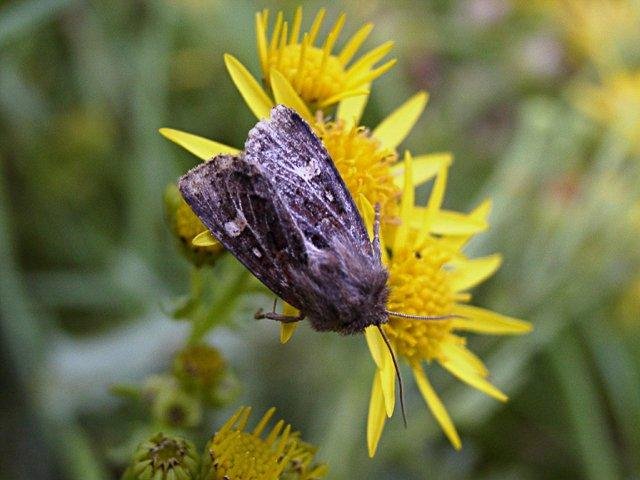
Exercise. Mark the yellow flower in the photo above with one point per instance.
(603, 31)
(234, 453)
(319, 77)
(429, 275)
(615, 102)
(366, 159)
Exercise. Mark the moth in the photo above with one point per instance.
(282, 209)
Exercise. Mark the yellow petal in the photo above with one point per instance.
(261, 39)
(315, 26)
(333, 35)
(479, 320)
(254, 96)
(371, 75)
(295, 30)
(406, 204)
(354, 43)
(482, 211)
(376, 345)
(436, 406)
(481, 214)
(437, 194)
(285, 94)
(287, 329)
(468, 273)
(377, 416)
(425, 167)
(275, 35)
(447, 222)
(258, 429)
(461, 354)
(350, 109)
(388, 383)
(205, 239)
(395, 128)
(201, 147)
(384, 363)
(355, 92)
(365, 62)
(471, 378)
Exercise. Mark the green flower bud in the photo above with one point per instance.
(170, 405)
(202, 370)
(163, 457)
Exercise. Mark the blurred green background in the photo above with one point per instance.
(89, 269)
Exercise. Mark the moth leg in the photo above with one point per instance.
(376, 232)
(279, 317)
(275, 304)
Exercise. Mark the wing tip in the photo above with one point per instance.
(219, 162)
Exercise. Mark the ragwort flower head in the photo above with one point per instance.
(320, 77)
(236, 453)
(429, 275)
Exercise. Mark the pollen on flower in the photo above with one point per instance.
(319, 77)
(364, 165)
(419, 285)
(235, 453)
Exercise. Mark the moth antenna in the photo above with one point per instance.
(398, 376)
(423, 317)
(376, 232)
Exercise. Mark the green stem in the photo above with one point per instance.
(619, 374)
(230, 287)
(593, 441)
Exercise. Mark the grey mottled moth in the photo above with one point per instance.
(282, 209)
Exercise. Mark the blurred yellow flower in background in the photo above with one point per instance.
(603, 31)
(615, 102)
(430, 275)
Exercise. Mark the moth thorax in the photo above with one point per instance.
(347, 291)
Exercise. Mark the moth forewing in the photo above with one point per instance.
(284, 211)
